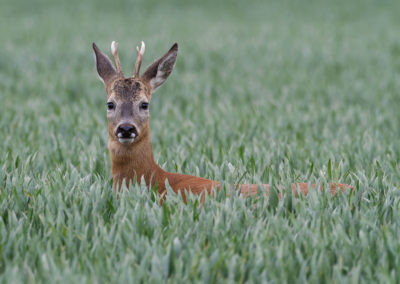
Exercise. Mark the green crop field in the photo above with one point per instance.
(262, 92)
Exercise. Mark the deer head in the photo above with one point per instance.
(128, 98)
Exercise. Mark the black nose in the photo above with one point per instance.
(126, 131)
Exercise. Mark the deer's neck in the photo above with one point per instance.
(131, 163)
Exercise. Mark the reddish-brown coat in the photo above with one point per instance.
(137, 161)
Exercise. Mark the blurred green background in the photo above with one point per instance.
(263, 91)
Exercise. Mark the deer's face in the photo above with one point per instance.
(128, 99)
(128, 110)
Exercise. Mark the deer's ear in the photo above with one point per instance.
(104, 66)
(159, 71)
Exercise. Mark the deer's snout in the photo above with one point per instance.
(126, 133)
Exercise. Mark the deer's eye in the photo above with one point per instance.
(110, 106)
(144, 106)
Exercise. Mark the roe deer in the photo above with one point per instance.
(129, 143)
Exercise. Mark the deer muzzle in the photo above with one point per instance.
(126, 133)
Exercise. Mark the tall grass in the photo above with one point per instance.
(265, 91)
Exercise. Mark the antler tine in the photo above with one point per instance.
(114, 50)
(139, 59)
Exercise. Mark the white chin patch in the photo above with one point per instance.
(126, 140)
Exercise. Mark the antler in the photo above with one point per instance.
(114, 50)
(139, 59)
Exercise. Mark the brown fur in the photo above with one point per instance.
(132, 162)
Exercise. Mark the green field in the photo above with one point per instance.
(263, 92)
